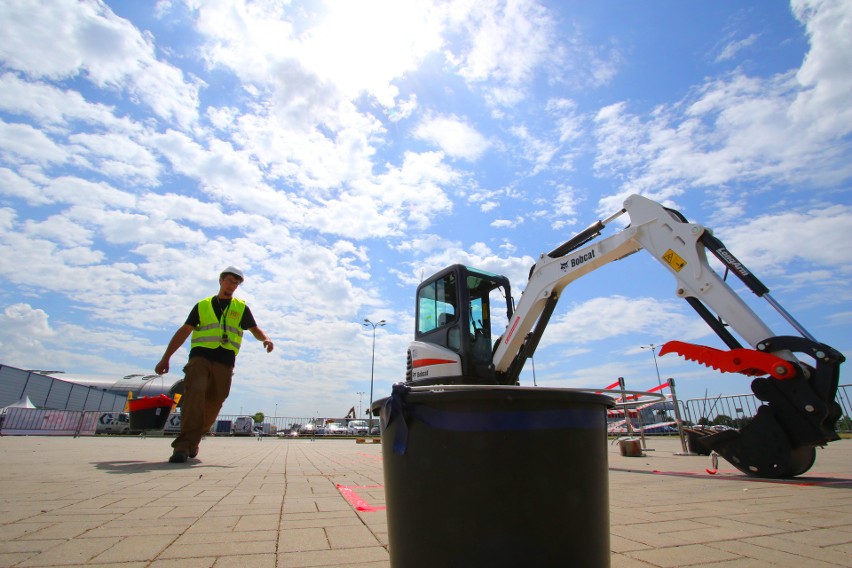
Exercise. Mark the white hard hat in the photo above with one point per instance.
(233, 270)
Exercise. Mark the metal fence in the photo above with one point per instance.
(741, 407)
(43, 422)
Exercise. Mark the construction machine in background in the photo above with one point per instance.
(796, 376)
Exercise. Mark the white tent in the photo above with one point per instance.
(25, 402)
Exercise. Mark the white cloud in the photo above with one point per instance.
(606, 318)
(503, 45)
(23, 142)
(68, 38)
(453, 135)
(732, 48)
(823, 103)
(779, 242)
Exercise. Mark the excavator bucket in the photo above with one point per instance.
(761, 448)
(799, 411)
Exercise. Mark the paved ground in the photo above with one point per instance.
(281, 503)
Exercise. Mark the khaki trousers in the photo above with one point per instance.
(206, 386)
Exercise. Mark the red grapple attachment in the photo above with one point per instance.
(745, 361)
(799, 411)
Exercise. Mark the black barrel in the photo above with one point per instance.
(495, 476)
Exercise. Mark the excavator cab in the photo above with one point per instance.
(454, 311)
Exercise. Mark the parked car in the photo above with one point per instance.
(308, 429)
(335, 429)
(358, 428)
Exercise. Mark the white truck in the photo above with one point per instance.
(113, 423)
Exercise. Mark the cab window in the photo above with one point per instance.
(437, 304)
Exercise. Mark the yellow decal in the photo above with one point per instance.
(672, 259)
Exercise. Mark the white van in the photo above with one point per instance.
(243, 426)
(113, 423)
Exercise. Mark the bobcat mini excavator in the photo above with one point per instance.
(453, 343)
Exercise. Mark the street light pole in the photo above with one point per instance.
(368, 323)
(652, 347)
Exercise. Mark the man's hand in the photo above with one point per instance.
(267, 343)
(162, 367)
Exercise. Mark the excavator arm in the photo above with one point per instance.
(799, 410)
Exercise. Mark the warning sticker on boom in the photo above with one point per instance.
(672, 259)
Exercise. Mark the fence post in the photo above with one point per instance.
(679, 421)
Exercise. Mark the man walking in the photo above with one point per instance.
(216, 325)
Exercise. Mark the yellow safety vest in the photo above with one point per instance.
(212, 333)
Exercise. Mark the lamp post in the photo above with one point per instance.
(654, 353)
(368, 323)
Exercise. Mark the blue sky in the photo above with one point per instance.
(339, 151)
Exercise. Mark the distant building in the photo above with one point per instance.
(68, 393)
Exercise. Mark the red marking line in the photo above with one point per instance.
(369, 457)
(426, 362)
(356, 500)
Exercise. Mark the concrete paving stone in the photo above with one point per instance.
(258, 509)
(218, 549)
(134, 549)
(340, 558)
(204, 562)
(620, 544)
(299, 505)
(351, 536)
(119, 530)
(252, 560)
(621, 561)
(18, 530)
(733, 528)
(300, 540)
(13, 558)
(225, 537)
(75, 551)
(28, 546)
(769, 556)
(688, 555)
(323, 519)
(804, 551)
(62, 531)
(249, 523)
(123, 565)
(186, 511)
(823, 537)
(147, 512)
(332, 503)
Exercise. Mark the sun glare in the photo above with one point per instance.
(363, 46)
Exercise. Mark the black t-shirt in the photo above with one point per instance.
(220, 354)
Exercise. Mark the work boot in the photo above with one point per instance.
(178, 457)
